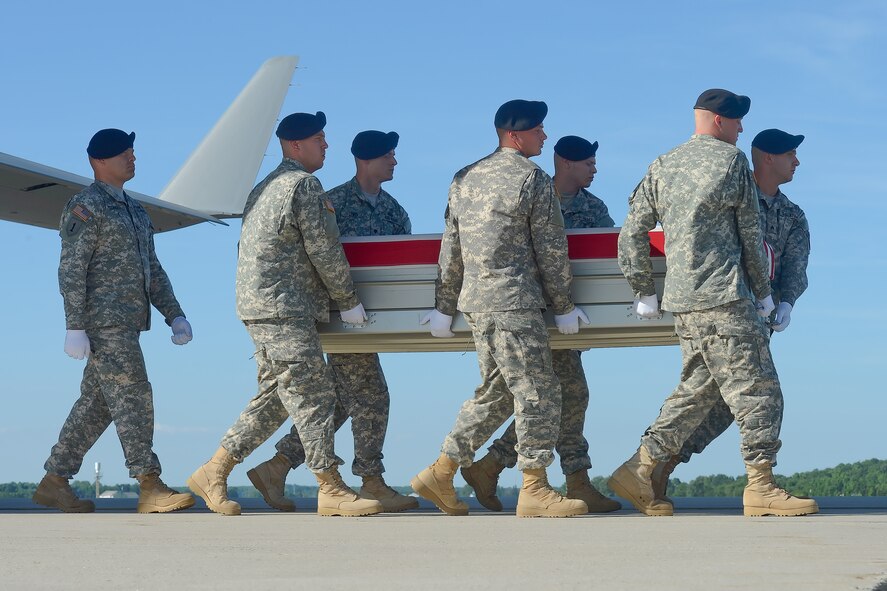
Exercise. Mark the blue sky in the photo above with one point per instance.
(624, 75)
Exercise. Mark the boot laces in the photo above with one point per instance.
(339, 482)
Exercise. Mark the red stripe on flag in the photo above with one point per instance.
(425, 251)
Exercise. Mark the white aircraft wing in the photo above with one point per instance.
(214, 181)
(34, 194)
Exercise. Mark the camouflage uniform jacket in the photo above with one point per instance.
(786, 230)
(290, 262)
(109, 274)
(704, 195)
(585, 210)
(504, 239)
(358, 217)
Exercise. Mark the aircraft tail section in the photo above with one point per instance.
(219, 174)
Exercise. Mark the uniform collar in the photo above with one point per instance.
(116, 193)
(354, 186)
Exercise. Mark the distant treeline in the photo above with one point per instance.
(865, 479)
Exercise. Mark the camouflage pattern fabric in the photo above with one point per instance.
(109, 274)
(361, 389)
(362, 395)
(718, 420)
(503, 244)
(786, 230)
(294, 382)
(115, 388)
(514, 356)
(504, 241)
(358, 217)
(290, 262)
(585, 210)
(704, 195)
(572, 447)
(726, 355)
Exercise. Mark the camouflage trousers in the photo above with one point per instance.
(114, 388)
(294, 382)
(362, 395)
(572, 447)
(517, 377)
(717, 421)
(726, 356)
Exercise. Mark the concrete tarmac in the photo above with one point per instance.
(708, 544)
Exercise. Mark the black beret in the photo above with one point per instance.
(520, 115)
(724, 103)
(298, 126)
(108, 143)
(776, 141)
(373, 144)
(575, 148)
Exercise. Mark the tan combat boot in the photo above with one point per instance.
(435, 483)
(762, 497)
(631, 481)
(156, 497)
(374, 488)
(660, 475)
(334, 497)
(210, 482)
(580, 487)
(538, 499)
(269, 478)
(483, 477)
(54, 491)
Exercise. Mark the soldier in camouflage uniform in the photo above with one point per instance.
(703, 194)
(575, 161)
(503, 244)
(289, 265)
(363, 208)
(774, 155)
(109, 277)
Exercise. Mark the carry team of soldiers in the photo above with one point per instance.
(503, 251)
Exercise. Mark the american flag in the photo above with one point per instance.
(81, 212)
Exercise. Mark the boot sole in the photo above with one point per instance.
(762, 512)
(260, 486)
(497, 506)
(148, 508)
(621, 491)
(209, 504)
(424, 491)
(542, 513)
(396, 509)
(329, 512)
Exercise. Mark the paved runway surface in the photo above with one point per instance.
(708, 544)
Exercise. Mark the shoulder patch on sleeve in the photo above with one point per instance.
(81, 212)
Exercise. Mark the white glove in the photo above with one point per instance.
(181, 331)
(440, 324)
(647, 307)
(77, 344)
(765, 306)
(783, 317)
(569, 323)
(356, 315)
